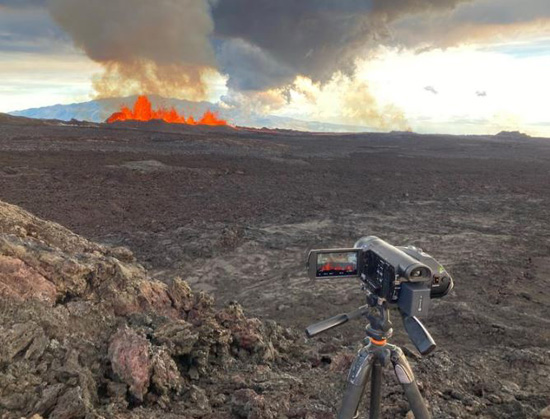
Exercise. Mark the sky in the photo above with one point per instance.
(431, 66)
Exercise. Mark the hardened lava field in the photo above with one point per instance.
(234, 213)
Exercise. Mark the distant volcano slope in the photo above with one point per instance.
(101, 109)
(87, 333)
(7, 119)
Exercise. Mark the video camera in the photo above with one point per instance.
(401, 276)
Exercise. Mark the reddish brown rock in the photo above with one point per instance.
(21, 282)
(130, 356)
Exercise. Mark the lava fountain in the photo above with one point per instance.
(143, 111)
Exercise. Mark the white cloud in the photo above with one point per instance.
(33, 80)
(516, 88)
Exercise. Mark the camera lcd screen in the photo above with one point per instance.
(336, 264)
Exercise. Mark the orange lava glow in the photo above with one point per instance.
(328, 267)
(143, 111)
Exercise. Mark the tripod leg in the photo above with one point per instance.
(357, 380)
(375, 390)
(405, 376)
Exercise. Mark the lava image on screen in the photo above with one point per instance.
(337, 264)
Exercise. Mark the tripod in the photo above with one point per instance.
(375, 355)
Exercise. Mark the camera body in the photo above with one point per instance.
(403, 276)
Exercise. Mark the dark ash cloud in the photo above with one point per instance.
(314, 38)
(309, 37)
(250, 67)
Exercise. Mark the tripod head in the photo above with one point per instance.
(376, 311)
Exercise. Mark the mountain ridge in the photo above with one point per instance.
(99, 110)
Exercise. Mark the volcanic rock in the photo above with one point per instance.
(86, 332)
(248, 404)
(130, 358)
(21, 282)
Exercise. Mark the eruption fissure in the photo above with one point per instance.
(143, 111)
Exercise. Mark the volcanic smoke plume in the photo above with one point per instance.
(172, 48)
(166, 47)
(145, 46)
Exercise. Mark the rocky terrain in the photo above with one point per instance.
(87, 333)
(194, 303)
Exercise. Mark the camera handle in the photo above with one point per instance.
(324, 325)
(418, 334)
